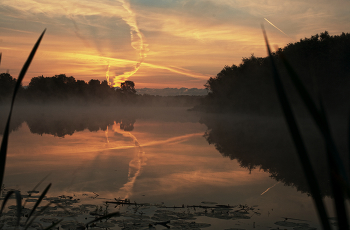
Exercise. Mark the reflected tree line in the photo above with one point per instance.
(61, 89)
(60, 122)
(264, 143)
(66, 120)
(243, 114)
(61, 128)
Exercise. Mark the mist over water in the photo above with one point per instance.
(167, 154)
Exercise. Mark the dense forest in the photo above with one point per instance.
(322, 62)
(61, 89)
(242, 106)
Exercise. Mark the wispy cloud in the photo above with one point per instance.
(189, 39)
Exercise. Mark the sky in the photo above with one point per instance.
(155, 43)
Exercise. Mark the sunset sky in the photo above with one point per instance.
(155, 43)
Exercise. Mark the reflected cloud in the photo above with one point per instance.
(135, 166)
(173, 182)
(269, 188)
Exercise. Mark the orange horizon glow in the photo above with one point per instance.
(174, 45)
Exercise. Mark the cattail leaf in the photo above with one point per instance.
(39, 201)
(298, 142)
(53, 225)
(18, 205)
(6, 198)
(318, 116)
(4, 143)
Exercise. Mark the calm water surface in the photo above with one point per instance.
(162, 157)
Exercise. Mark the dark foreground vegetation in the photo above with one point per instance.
(322, 62)
(61, 89)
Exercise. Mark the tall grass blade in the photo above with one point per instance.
(337, 182)
(38, 201)
(298, 142)
(29, 223)
(338, 174)
(18, 206)
(41, 211)
(4, 143)
(6, 198)
(18, 203)
(318, 116)
(36, 186)
(53, 225)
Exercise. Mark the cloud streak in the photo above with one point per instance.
(183, 42)
(137, 42)
(275, 27)
(96, 60)
(135, 166)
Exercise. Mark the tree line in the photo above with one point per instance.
(62, 89)
(322, 62)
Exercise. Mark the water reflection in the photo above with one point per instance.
(135, 165)
(264, 143)
(261, 143)
(60, 121)
(165, 158)
(81, 147)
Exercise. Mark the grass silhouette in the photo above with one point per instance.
(3, 154)
(338, 176)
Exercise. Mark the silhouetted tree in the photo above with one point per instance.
(127, 124)
(127, 87)
(322, 62)
(7, 85)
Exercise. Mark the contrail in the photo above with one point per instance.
(136, 42)
(275, 27)
(106, 134)
(269, 189)
(77, 32)
(107, 75)
(135, 166)
(21, 31)
(97, 60)
(177, 139)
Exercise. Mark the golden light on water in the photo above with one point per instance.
(138, 150)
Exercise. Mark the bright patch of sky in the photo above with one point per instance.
(156, 43)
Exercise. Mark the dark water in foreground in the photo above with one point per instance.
(160, 157)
